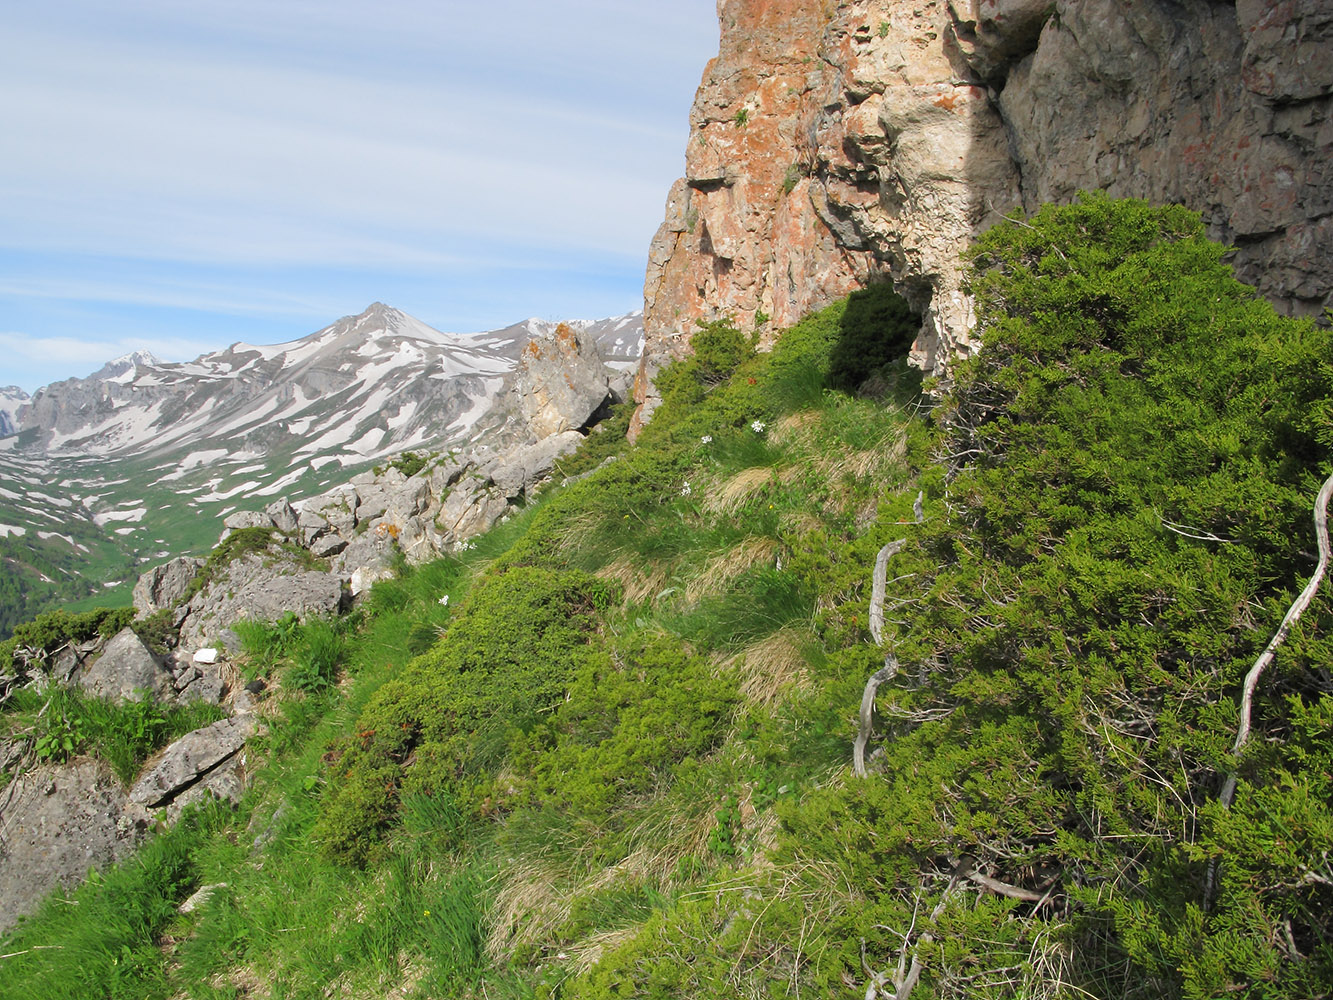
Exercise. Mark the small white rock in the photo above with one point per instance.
(200, 897)
(209, 655)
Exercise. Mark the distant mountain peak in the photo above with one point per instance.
(11, 398)
(378, 310)
(125, 364)
(137, 358)
(368, 385)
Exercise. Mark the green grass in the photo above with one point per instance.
(617, 761)
(60, 723)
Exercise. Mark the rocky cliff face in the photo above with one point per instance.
(837, 143)
(11, 398)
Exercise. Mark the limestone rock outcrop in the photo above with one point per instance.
(263, 588)
(836, 144)
(126, 670)
(353, 536)
(560, 381)
(163, 585)
(206, 762)
(59, 822)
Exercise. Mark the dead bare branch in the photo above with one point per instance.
(866, 728)
(1292, 617)
(878, 587)
(1005, 889)
(904, 983)
(1196, 533)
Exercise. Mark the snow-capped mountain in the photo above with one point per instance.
(11, 398)
(139, 461)
(124, 367)
(365, 387)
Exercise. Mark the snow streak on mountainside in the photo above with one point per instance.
(366, 387)
(11, 398)
(139, 461)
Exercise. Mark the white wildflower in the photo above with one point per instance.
(445, 600)
(685, 490)
(707, 439)
(758, 426)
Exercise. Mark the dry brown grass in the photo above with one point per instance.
(738, 490)
(799, 523)
(641, 579)
(771, 667)
(588, 952)
(574, 531)
(876, 462)
(794, 428)
(721, 570)
(537, 893)
(243, 981)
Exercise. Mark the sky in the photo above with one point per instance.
(175, 177)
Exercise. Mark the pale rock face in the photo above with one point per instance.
(836, 144)
(59, 823)
(560, 381)
(262, 589)
(127, 670)
(11, 398)
(161, 586)
(191, 755)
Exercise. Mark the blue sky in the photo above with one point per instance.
(178, 176)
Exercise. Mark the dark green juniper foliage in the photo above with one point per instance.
(1132, 462)
(445, 725)
(1071, 660)
(52, 629)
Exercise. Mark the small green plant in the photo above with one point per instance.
(266, 644)
(61, 738)
(316, 658)
(409, 463)
(722, 838)
(791, 178)
(719, 347)
(64, 722)
(884, 28)
(742, 118)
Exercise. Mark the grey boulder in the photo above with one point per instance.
(163, 585)
(126, 671)
(191, 760)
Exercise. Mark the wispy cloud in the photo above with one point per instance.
(399, 142)
(78, 352)
(115, 141)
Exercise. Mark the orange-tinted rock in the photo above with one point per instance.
(836, 142)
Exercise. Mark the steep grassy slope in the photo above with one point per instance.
(617, 761)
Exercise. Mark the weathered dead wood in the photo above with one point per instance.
(1005, 889)
(879, 584)
(878, 589)
(905, 977)
(1280, 636)
(867, 726)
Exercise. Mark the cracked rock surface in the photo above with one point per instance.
(836, 144)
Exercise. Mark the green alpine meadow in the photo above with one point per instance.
(835, 683)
